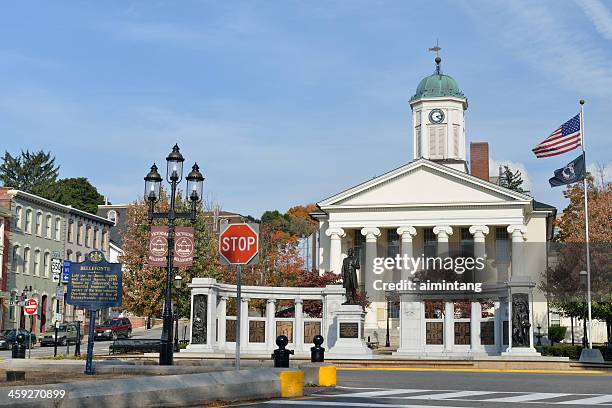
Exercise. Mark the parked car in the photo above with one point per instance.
(112, 329)
(66, 333)
(9, 337)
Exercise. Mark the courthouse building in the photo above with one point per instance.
(438, 201)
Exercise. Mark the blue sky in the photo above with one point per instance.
(287, 102)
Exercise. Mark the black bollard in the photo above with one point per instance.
(317, 353)
(281, 355)
(19, 348)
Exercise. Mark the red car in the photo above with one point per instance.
(112, 329)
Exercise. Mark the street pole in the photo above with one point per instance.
(177, 348)
(387, 340)
(90, 342)
(238, 315)
(77, 347)
(166, 356)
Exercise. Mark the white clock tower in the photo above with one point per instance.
(438, 117)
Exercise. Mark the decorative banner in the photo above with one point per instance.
(184, 246)
(158, 246)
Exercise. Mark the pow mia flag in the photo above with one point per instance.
(573, 172)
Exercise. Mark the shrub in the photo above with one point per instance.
(556, 334)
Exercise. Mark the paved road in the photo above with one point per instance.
(100, 347)
(414, 389)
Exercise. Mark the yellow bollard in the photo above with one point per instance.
(292, 384)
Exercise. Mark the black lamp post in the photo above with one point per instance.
(178, 284)
(153, 180)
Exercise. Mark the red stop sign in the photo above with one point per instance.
(31, 306)
(238, 244)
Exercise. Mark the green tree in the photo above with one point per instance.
(512, 180)
(30, 172)
(77, 192)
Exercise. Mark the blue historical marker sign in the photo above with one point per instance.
(93, 285)
(96, 283)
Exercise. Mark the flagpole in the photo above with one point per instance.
(586, 228)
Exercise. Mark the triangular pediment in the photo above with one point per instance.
(424, 182)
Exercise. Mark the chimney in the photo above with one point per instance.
(479, 160)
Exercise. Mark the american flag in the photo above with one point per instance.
(565, 138)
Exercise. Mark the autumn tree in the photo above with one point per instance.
(144, 285)
(562, 281)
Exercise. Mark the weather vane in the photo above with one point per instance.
(436, 48)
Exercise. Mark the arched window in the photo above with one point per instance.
(17, 261)
(28, 221)
(95, 238)
(70, 231)
(58, 228)
(18, 216)
(79, 234)
(104, 242)
(39, 219)
(48, 226)
(47, 264)
(112, 216)
(88, 236)
(69, 255)
(26, 260)
(78, 257)
(37, 262)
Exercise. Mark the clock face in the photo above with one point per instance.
(436, 116)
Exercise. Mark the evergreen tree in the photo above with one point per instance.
(30, 172)
(511, 180)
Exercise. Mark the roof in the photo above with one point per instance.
(437, 85)
(511, 194)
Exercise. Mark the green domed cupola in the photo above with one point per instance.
(438, 85)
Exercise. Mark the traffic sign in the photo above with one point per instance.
(239, 243)
(59, 292)
(31, 306)
(79, 315)
(56, 268)
(58, 317)
(66, 272)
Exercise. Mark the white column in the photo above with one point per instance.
(211, 316)
(411, 325)
(371, 234)
(270, 329)
(449, 326)
(335, 249)
(406, 234)
(443, 232)
(518, 238)
(221, 315)
(244, 324)
(479, 233)
(298, 332)
(475, 343)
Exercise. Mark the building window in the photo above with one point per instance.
(434, 322)
(467, 243)
(393, 243)
(70, 231)
(58, 228)
(419, 148)
(95, 238)
(28, 221)
(47, 264)
(437, 142)
(430, 243)
(78, 257)
(502, 246)
(26, 260)
(39, 218)
(88, 236)
(112, 216)
(456, 141)
(18, 215)
(48, 226)
(79, 234)
(16, 259)
(555, 319)
(37, 262)
(462, 315)
(487, 322)
(394, 309)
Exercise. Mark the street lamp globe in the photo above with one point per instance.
(152, 184)
(175, 165)
(195, 184)
(178, 282)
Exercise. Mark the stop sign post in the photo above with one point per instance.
(239, 245)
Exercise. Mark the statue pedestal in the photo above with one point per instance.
(521, 318)
(348, 324)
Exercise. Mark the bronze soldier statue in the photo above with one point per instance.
(350, 264)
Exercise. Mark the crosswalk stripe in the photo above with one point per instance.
(448, 395)
(352, 404)
(379, 393)
(590, 401)
(528, 397)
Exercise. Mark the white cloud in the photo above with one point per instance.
(599, 15)
(494, 170)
